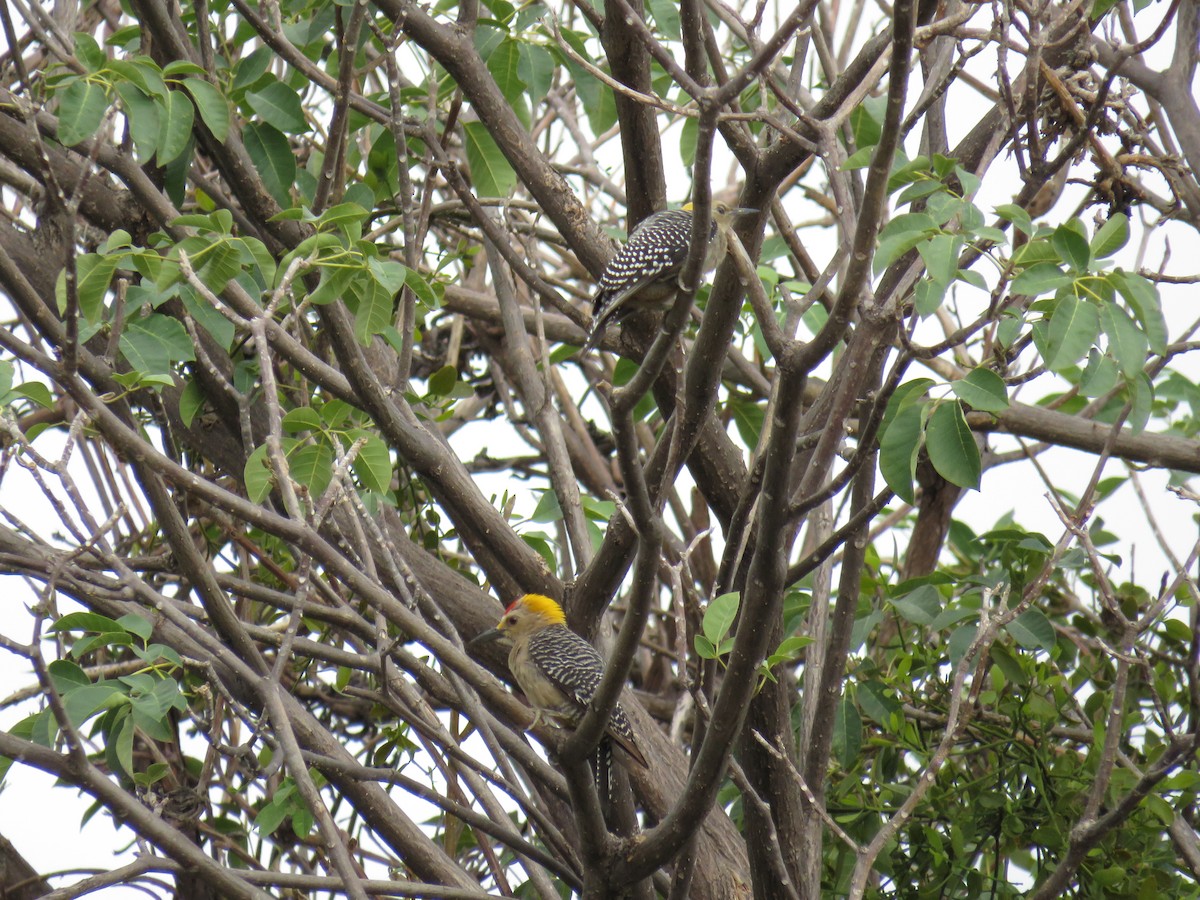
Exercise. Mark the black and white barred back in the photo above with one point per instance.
(647, 268)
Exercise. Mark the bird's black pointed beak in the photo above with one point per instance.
(485, 637)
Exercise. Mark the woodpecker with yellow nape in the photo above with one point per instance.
(645, 273)
(558, 670)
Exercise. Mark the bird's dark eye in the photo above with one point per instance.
(512, 620)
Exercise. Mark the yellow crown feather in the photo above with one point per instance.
(542, 606)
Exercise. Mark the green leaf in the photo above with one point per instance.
(597, 97)
(66, 675)
(490, 172)
(303, 418)
(898, 446)
(960, 642)
(984, 233)
(36, 392)
(335, 283)
(788, 649)
(43, 729)
(859, 159)
(279, 106)
(906, 394)
(982, 389)
(155, 652)
(177, 67)
(748, 416)
(86, 645)
(154, 343)
(302, 823)
(335, 413)
(1039, 279)
(342, 217)
(311, 465)
(666, 17)
(1008, 330)
(222, 262)
(900, 235)
(195, 220)
(919, 189)
(920, 606)
(273, 158)
(847, 733)
(689, 134)
(1072, 246)
(1143, 299)
(419, 286)
(207, 316)
(390, 275)
(373, 465)
(135, 624)
(118, 240)
(88, 52)
(877, 702)
(168, 694)
(1035, 252)
(928, 296)
(1017, 215)
(1032, 630)
(119, 746)
(940, 254)
(1073, 330)
(372, 306)
(250, 69)
(142, 72)
(866, 120)
(214, 111)
(83, 702)
(1009, 667)
(441, 383)
(1126, 342)
(269, 818)
(382, 170)
(719, 616)
(93, 273)
(263, 265)
(970, 183)
(536, 68)
(504, 63)
(81, 109)
(952, 449)
(952, 615)
(84, 621)
(258, 476)
(175, 117)
(488, 35)
(144, 125)
(149, 717)
(176, 176)
(1099, 377)
(1141, 401)
(1112, 236)
(547, 509)
(945, 208)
